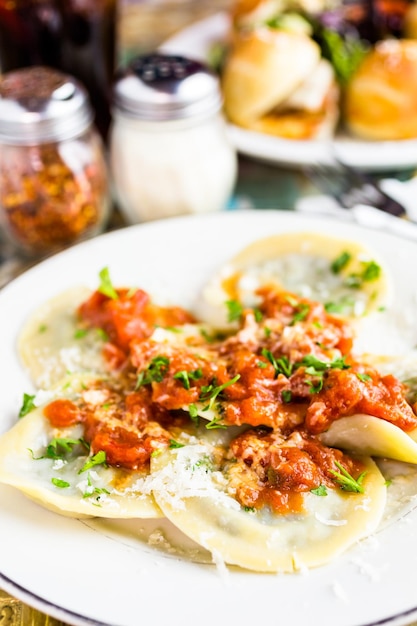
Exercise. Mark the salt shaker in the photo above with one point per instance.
(169, 150)
(53, 173)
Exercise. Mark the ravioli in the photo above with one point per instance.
(193, 496)
(54, 467)
(50, 346)
(369, 435)
(343, 275)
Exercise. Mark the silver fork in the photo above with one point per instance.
(350, 187)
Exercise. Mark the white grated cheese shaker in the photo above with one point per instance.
(169, 150)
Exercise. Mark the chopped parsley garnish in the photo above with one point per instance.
(291, 300)
(209, 338)
(235, 310)
(155, 372)
(62, 484)
(97, 459)
(258, 315)
(321, 490)
(94, 491)
(370, 272)
(317, 385)
(281, 365)
(267, 331)
(28, 404)
(345, 303)
(215, 423)
(363, 377)
(301, 312)
(193, 412)
(340, 262)
(80, 333)
(106, 286)
(102, 334)
(286, 395)
(346, 481)
(211, 392)
(313, 363)
(185, 376)
(58, 448)
(175, 444)
(317, 368)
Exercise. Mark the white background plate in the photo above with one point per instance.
(196, 40)
(85, 573)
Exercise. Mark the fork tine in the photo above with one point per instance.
(351, 187)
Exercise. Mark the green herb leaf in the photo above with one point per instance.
(286, 395)
(302, 311)
(281, 365)
(346, 481)
(340, 262)
(211, 392)
(315, 365)
(62, 484)
(185, 376)
(320, 491)
(58, 448)
(215, 423)
(97, 459)
(363, 377)
(28, 404)
(371, 271)
(102, 334)
(175, 444)
(235, 310)
(258, 315)
(193, 412)
(106, 287)
(155, 372)
(80, 333)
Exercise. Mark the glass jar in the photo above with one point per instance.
(53, 174)
(170, 154)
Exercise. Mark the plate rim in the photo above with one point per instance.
(285, 218)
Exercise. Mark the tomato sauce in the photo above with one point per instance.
(287, 374)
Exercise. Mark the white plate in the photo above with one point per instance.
(196, 40)
(88, 572)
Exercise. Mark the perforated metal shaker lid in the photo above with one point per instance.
(39, 105)
(161, 87)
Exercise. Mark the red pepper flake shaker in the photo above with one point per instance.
(54, 188)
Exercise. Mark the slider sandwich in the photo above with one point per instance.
(276, 82)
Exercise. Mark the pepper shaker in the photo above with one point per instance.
(53, 173)
(169, 150)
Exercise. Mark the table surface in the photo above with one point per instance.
(259, 185)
